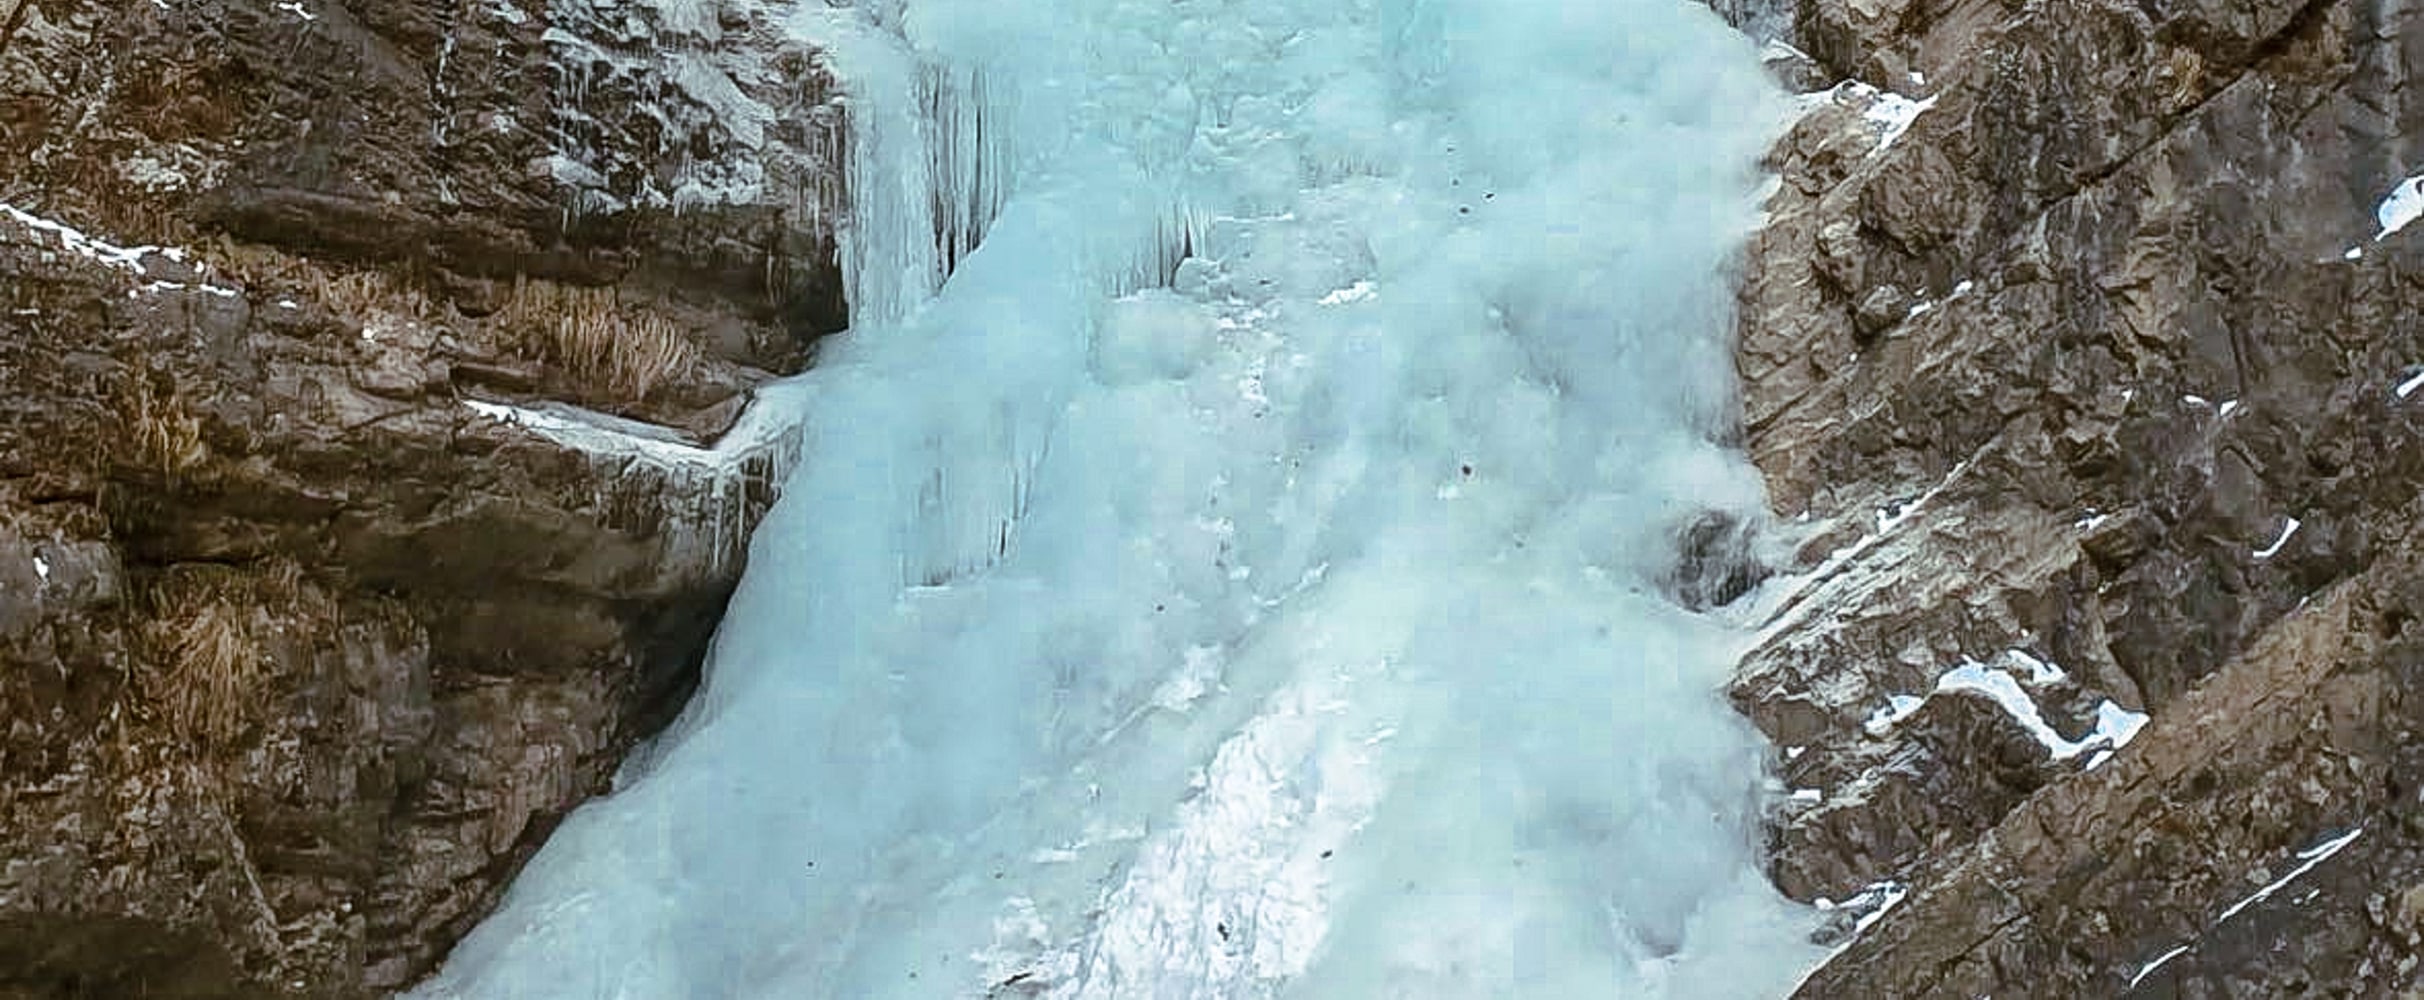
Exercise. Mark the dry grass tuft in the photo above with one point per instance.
(606, 351)
(357, 294)
(208, 637)
(213, 669)
(253, 264)
(162, 435)
(364, 294)
(618, 353)
(2184, 69)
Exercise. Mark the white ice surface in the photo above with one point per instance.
(2401, 207)
(1139, 625)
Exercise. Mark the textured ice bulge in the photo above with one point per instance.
(1234, 581)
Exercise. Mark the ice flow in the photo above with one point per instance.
(1235, 579)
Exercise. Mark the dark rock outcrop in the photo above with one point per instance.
(2085, 356)
(316, 611)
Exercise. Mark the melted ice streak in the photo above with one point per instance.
(1147, 628)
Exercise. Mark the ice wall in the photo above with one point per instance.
(1234, 581)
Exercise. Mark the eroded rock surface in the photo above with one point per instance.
(332, 573)
(2077, 355)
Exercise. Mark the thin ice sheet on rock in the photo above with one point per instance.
(1236, 581)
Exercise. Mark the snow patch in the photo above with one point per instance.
(1892, 115)
(2408, 388)
(75, 241)
(1875, 899)
(41, 566)
(2156, 964)
(1790, 599)
(2404, 205)
(104, 252)
(712, 484)
(595, 433)
(2040, 672)
(1897, 708)
(2307, 860)
(297, 10)
(2289, 527)
(2114, 727)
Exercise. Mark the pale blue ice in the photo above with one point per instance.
(1235, 581)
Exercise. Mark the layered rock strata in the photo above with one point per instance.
(2080, 356)
(384, 392)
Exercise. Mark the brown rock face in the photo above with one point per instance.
(2081, 365)
(300, 654)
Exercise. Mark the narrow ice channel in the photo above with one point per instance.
(1234, 581)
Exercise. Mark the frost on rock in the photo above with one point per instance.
(2403, 206)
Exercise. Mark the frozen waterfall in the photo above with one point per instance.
(1234, 580)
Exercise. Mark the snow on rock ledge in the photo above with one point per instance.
(704, 499)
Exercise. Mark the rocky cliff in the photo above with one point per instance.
(373, 453)
(2080, 354)
(374, 466)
